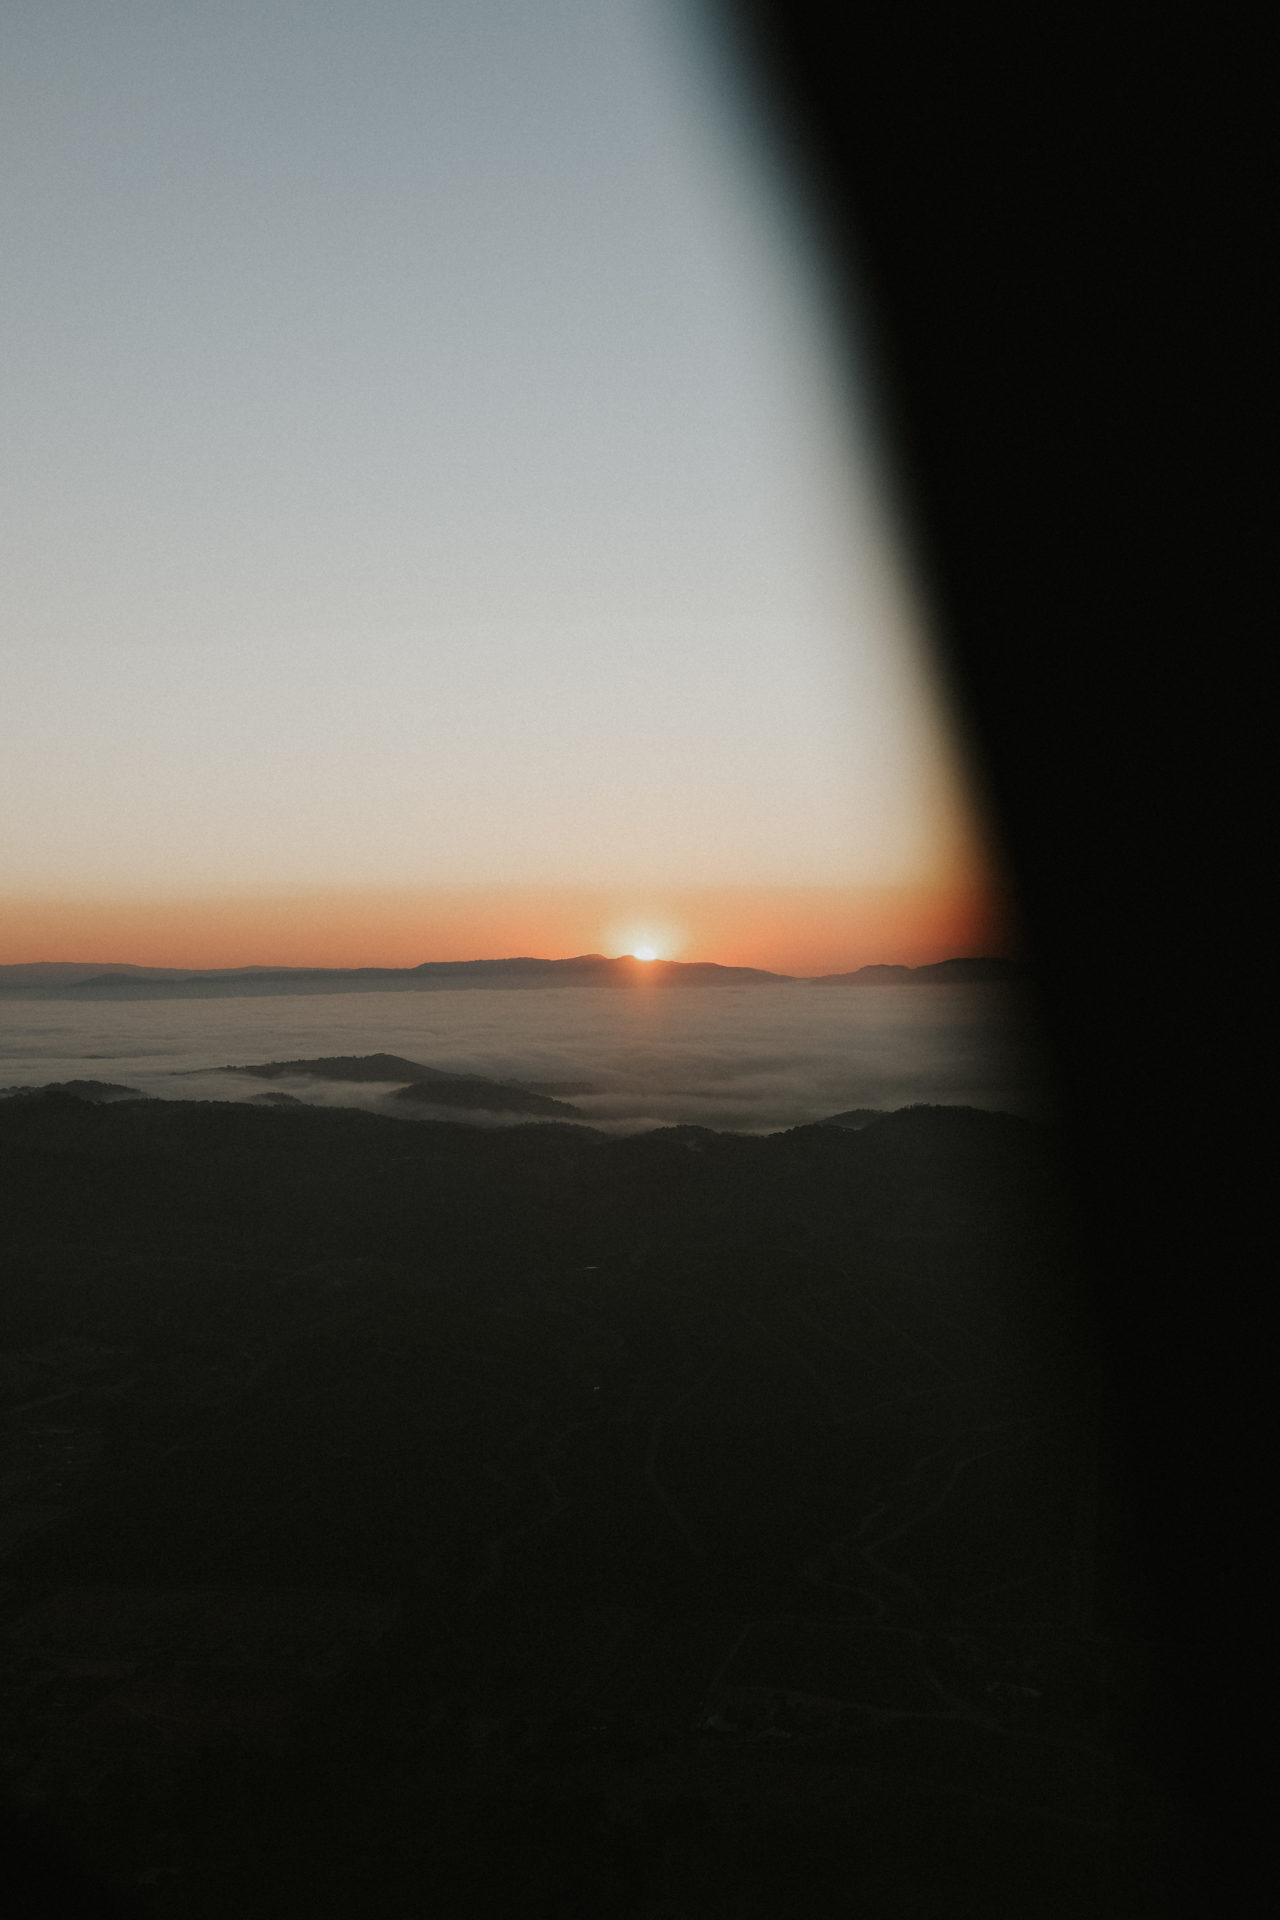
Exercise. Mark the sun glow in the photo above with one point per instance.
(649, 937)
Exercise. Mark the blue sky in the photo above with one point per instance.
(429, 461)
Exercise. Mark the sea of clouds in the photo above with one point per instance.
(745, 1058)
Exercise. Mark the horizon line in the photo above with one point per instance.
(654, 960)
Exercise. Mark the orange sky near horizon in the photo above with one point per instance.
(802, 930)
(453, 524)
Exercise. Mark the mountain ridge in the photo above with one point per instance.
(427, 1086)
(589, 969)
(938, 973)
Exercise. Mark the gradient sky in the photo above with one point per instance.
(430, 477)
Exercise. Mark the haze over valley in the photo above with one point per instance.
(753, 1057)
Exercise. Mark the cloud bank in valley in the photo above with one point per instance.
(754, 1059)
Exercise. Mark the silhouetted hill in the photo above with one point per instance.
(585, 970)
(591, 970)
(99, 1090)
(240, 980)
(940, 973)
(49, 978)
(73, 972)
(427, 1086)
(485, 1096)
(502, 1511)
(350, 1066)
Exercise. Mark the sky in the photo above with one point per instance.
(440, 515)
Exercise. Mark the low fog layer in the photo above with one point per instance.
(746, 1059)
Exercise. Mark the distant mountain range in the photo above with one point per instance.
(90, 979)
(941, 973)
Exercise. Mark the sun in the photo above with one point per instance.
(646, 939)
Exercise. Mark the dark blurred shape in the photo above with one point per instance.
(439, 1518)
(45, 1878)
(1052, 222)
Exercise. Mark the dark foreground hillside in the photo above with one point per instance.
(408, 1520)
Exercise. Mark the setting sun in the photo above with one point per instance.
(646, 933)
